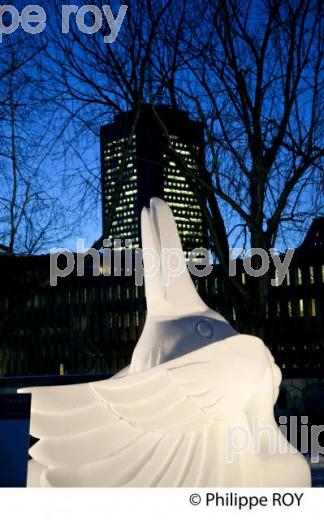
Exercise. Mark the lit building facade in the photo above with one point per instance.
(92, 323)
(162, 157)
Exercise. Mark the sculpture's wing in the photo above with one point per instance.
(160, 427)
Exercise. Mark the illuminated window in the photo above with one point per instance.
(289, 309)
(299, 276)
(313, 307)
(311, 274)
(301, 308)
(288, 278)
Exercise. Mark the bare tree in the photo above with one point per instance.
(92, 81)
(30, 208)
(255, 71)
(251, 72)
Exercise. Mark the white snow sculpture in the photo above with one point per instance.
(195, 407)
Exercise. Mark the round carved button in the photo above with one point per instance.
(204, 329)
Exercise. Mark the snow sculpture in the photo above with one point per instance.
(195, 407)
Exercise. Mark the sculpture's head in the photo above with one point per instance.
(178, 321)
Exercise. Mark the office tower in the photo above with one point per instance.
(165, 156)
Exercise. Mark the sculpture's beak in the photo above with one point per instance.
(168, 285)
